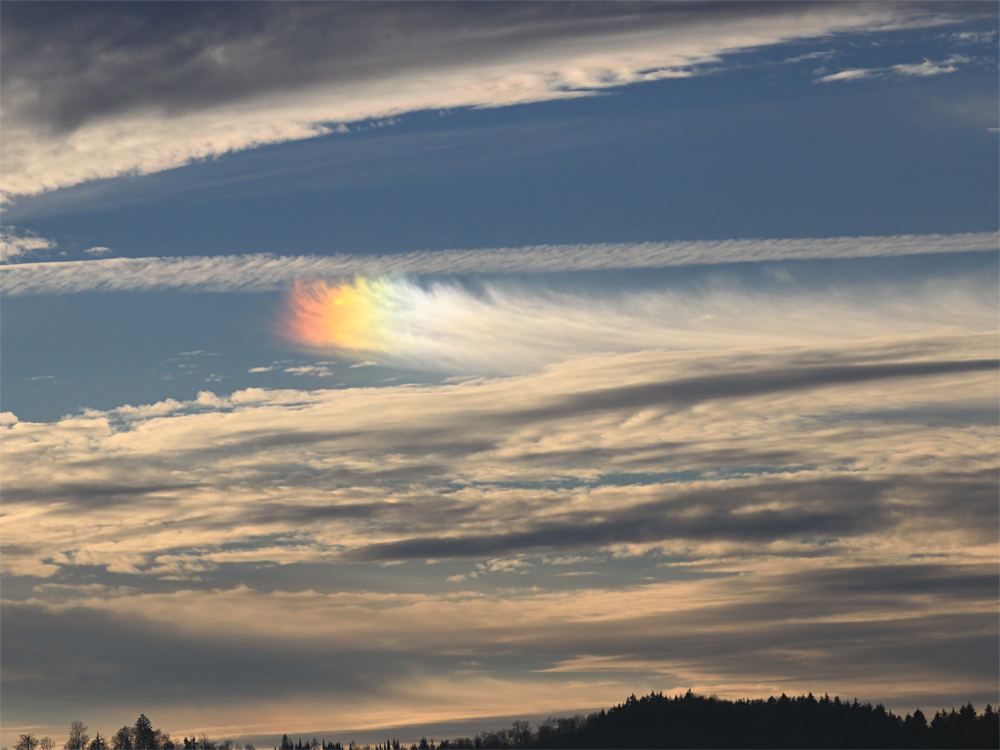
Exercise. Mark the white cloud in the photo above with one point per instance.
(265, 272)
(18, 244)
(792, 482)
(818, 55)
(436, 70)
(931, 68)
(292, 476)
(509, 328)
(853, 74)
(973, 37)
(313, 370)
(922, 69)
(98, 251)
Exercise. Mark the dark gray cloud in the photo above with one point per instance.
(963, 582)
(818, 510)
(690, 391)
(811, 627)
(425, 442)
(188, 81)
(813, 610)
(71, 62)
(92, 59)
(100, 658)
(90, 496)
(431, 512)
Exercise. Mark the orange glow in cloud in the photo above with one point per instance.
(349, 315)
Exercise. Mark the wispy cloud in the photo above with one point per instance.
(930, 67)
(921, 69)
(427, 469)
(16, 245)
(267, 74)
(817, 495)
(265, 272)
(447, 328)
(318, 371)
(973, 37)
(852, 74)
(818, 55)
(98, 251)
(806, 475)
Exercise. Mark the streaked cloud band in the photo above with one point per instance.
(269, 272)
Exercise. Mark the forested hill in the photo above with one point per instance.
(694, 721)
(653, 721)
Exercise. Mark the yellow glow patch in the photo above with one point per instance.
(342, 316)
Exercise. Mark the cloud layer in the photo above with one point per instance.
(17, 245)
(266, 272)
(922, 69)
(751, 477)
(742, 514)
(509, 328)
(198, 81)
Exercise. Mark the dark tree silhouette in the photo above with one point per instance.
(693, 721)
(78, 737)
(657, 721)
(143, 734)
(122, 739)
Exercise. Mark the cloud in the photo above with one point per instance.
(922, 69)
(266, 272)
(313, 370)
(133, 92)
(787, 517)
(852, 74)
(776, 630)
(509, 327)
(818, 55)
(931, 68)
(98, 251)
(18, 244)
(973, 37)
(91, 494)
(489, 468)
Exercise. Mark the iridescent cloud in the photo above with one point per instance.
(351, 316)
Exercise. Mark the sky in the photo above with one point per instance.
(401, 369)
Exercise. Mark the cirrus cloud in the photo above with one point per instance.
(208, 81)
(267, 272)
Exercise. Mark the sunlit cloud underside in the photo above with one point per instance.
(514, 327)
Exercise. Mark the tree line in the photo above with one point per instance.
(140, 736)
(696, 721)
(652, 721)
